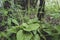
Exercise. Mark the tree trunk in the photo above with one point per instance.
(41, 10)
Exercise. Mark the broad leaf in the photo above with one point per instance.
(32, 27)
(24, 36)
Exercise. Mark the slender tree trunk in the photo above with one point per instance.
(41, 10)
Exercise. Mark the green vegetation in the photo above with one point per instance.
(18, 24)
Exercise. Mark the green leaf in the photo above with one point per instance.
(48, 31)
(57, 28)
(15, 21)
(32, 21)
(9, 21)
(36, 37)
(25, 25)
(32, 27)
(5, 12)
(23, 36)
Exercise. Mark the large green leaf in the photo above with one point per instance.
(23, 36)
(30, 27)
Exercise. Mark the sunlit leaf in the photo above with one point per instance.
(32, 27)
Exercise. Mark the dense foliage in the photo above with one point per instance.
(18, 24)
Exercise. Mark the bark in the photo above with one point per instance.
(41, 10)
